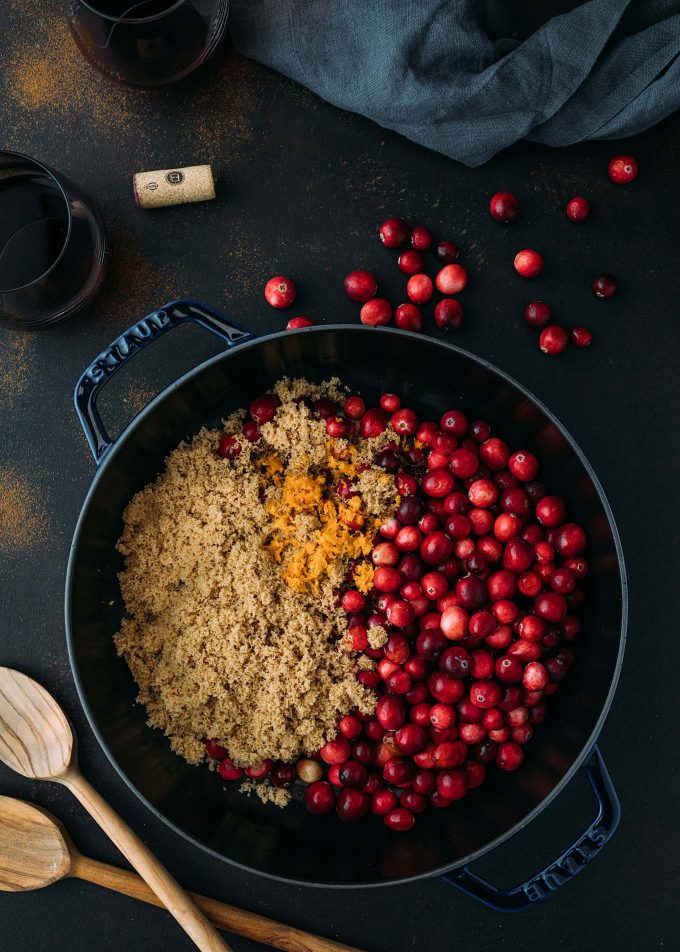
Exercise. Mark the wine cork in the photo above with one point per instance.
(163, 187)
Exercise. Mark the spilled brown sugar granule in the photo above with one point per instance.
(232, 569)
(23, 521)
(14, 366)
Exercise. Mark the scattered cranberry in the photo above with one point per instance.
(407, 317)
(411, 262)
(251, 431)
(581, 336)
(509, 756)
(215, 750)
(578, 208)
(447, 252)
(604, 286)
(394, 232)
(228, 771)
(528, 263)
(280, 292)
(419, 288)
(295, 323)
(537, 314)
(360, 286)
(553, 340)
(263, 409)
(448, 314)
(623, 169)
(376, 313)
(421, 238)
(451, 279)
(504, 207)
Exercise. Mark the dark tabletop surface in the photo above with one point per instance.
(301, 189)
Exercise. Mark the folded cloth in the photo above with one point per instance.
(447, 74)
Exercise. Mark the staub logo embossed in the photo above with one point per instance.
(121, 348)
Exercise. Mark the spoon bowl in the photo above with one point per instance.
(34, 850)
(36, 738)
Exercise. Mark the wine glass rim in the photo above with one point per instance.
(67, 237)
(129, 20)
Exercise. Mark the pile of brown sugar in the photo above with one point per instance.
(231, 635)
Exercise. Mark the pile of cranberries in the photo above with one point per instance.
(478, 579)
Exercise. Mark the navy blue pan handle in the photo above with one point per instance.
(566, 866)
(124, 348)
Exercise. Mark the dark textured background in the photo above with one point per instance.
(301, 190)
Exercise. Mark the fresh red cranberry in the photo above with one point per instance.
(400, 820)
(553, 340)
(495, 453)
(537, 314)
(451, 279)
(550, 512)
(419, 288)
(452, 784)
(354, 407)
(383, 802)
(411, 738)
(447, 251)
(464, 463)
(622, 169)
(353, 774)
(485, 694)
(373, 423)
(283, 775)
(454, 422)
(350, 726)
(550, 606)
(508, 670)
(280, 291)
(214, 750)
(407, 317)
(259, 771)
(369, 679)
(504, 207)
(570, 540)
(471, 592)
(400, 614)
(353, 601)
(228, 447)
(501, 585)
(394, 232)
(578, 208)
(436, 548)
(523, 466)
(390, 712)
(335, 751)
(581, 336)
(319, 798)
(563, 580)
(376, 313)
(295, 323)
(360, 286)
(323, 409)
(509, 756)
(604, 286)
(251, 431)
(438, 482)
(411, 262)
(351, 804)
(337, 427)
(528, 263)
(413, 801)
(483, 493)
(421, 238)
(398, 771)
(263, 409)
(535, 676)
(454, 623)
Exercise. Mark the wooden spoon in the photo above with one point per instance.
(36, 850)
(36, 740)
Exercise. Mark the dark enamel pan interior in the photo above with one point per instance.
(431, 377)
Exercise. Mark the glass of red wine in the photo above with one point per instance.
(148, 43)
(52, 244)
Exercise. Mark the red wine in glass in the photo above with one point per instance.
(52, 244)
(148, 43)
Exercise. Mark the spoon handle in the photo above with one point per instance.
(170, 893)
(238, 921)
